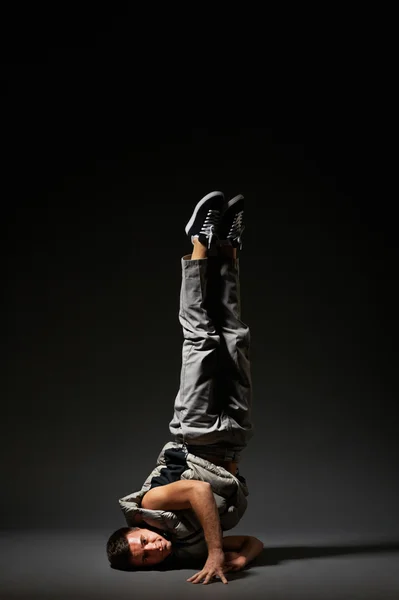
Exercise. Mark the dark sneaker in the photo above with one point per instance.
(232, 223)
(204, 222)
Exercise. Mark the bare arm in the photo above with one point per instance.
(198, 496)
(191, 494)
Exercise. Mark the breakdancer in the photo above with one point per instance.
(196, 492)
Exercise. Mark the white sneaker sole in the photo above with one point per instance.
(234, 200)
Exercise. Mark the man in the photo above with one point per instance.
(195, 492)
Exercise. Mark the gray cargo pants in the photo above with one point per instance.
(212, 410)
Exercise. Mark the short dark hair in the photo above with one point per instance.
(118, 550)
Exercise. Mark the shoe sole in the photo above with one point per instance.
(196, 209)
(234, 201)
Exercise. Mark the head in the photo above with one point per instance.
(131, 548)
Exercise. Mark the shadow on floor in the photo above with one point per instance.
(275, 556)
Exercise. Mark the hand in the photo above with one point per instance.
(234, 561)
(213, 567)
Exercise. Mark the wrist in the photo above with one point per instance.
(215, 550)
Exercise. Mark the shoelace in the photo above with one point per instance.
(237, 228)
(210, 224)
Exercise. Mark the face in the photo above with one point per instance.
(147, 547)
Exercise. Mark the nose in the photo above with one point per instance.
(154, 546)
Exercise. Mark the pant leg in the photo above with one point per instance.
(234, 380)
(198, 412)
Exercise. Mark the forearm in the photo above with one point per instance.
(204, 506)
(251, 548)
(192, 494)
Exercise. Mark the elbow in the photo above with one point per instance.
(257, 540)
(200, 491)
(258, 543)
(201, 485)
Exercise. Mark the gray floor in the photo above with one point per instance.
(73, 565)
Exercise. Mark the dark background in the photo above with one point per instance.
(105, 159)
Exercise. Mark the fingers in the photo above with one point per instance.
(220, 574)
(223, 578)
(207, 576)
(197, 577)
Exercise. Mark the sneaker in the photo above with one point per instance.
(204, 222)
(232, 223)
